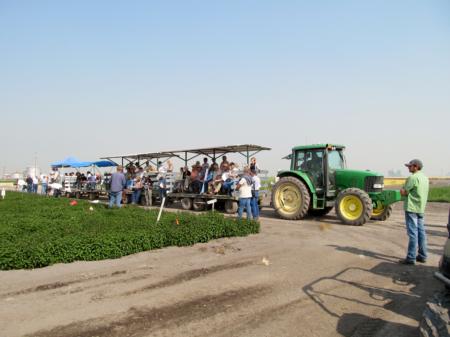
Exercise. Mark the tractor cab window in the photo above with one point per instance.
(335, 160)
(311, 162)
(299, 160)
(314, 161)
(314, 167)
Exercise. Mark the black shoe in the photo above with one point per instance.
(406, 261)
(421, 259)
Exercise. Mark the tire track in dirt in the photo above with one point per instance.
(182, 277)
(57, 285)
(177, 279)
(141, 321)
(188, 276)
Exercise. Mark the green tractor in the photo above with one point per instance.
(318, 181)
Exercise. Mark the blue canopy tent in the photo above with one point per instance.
(75, 163)
(103, 163)
(70, 162)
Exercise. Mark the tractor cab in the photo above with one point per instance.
(319, 163)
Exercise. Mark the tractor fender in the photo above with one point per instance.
(302, 176)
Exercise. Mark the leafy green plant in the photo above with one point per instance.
(39, 231)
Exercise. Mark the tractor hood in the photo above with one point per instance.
(368, 181)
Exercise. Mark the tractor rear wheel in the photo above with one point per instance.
(290, 198)
(320, 212)
(381, 212)
(353, 207)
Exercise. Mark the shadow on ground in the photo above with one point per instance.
(406, 296)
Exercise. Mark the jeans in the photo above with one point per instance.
(44, 189)
(254, 204)
(229, 185)
(148, 196)
(244, 203)
(115, 198)
(417, 236)
(136, 196)
(29, 188)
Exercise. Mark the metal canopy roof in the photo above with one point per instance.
(216, 152)
(318, 146)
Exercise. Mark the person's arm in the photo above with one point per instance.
(240, 183)
(410, 183)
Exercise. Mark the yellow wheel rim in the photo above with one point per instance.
(288, 198)
(351, 207)
(379, 209)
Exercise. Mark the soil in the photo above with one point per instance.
(314, 277)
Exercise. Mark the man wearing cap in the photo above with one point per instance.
(415, 192)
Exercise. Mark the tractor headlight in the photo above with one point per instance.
(378, 185)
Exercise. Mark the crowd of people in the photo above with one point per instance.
(53, 182)
(132, 182)
(49, 183)
(202, 178)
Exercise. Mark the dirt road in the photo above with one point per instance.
(307, 278)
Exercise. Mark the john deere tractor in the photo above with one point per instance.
(319, 180)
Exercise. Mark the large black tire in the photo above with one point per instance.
(381, 213)
(320, 212)
(186, 203)
(198, 204)
(231, 206)
(435, 318)
(290, 198)
(353, 207)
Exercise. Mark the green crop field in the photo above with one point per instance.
(39, 231)
(5, 181)
(440, 194)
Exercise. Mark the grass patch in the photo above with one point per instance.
(38, 231)
(439, 194)
(7, 181)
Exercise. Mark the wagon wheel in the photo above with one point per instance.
(186, 203)
(231, 206)
(198, 204)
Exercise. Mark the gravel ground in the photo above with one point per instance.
(314, 277)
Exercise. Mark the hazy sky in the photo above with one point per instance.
(94, 78)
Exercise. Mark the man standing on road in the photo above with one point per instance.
(256, 185)
(245, 194)
(118, 183)
(416, 192)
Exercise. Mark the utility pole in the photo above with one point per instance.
(35, 164)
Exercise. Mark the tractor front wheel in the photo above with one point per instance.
(381, 212)
(290, 198)
(353, 207)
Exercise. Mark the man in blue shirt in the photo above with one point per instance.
(118, 182)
